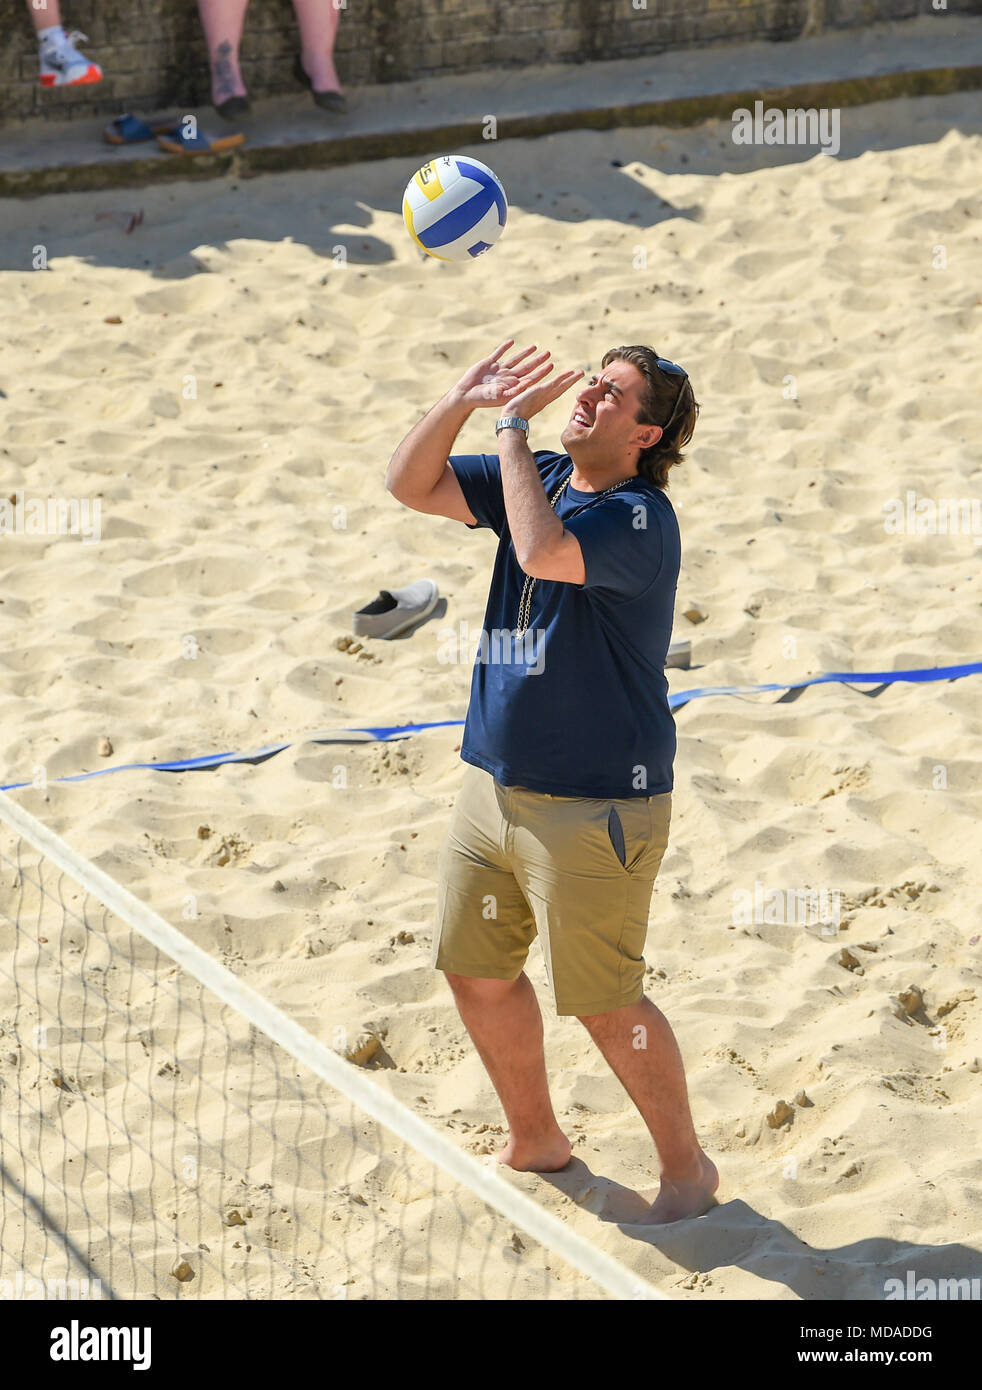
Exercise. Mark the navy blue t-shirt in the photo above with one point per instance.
(578, 706)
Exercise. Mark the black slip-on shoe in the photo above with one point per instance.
(232, 108)
(327, 101)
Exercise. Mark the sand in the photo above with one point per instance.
(836, 360)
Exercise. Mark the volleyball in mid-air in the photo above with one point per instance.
(454, 208)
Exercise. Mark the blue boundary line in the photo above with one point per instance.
(385, 732)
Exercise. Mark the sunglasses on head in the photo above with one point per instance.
(673, 369)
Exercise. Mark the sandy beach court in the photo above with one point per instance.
(229, 379)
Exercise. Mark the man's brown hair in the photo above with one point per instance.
(659, 395)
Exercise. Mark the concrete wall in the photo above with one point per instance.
(153, 53)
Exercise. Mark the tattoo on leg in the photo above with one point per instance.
(222, 69)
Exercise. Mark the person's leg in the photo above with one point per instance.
(483, 932)
(61, 63)
(587, 867)
(45, 17)
(505, 1024)
(222, 21)
(640, 1048)
(318, 23)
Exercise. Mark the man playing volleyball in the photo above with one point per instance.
(562, 820)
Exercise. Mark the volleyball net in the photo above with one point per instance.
(167, 1132)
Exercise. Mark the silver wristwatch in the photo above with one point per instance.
(508, 422)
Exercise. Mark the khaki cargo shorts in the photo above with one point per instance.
(576, 871)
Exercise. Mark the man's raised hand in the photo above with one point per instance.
(531, 399)
(494, 382)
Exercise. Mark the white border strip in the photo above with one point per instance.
(545, 1228)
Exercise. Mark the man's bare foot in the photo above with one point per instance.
(679, 1199)
(547, 1156)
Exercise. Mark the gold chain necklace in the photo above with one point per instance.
(525, 602)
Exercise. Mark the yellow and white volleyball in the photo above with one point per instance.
(454, 208)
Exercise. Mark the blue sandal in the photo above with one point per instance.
(130, 130)
(178, 141)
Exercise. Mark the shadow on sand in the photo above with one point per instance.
(320, 209)
(734, 1235)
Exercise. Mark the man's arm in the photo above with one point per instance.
(419, 475)
(543, 547)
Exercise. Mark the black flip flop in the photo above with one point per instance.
(327, 101)
(232, 108)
